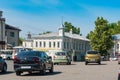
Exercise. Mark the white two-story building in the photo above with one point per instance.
(67, 41)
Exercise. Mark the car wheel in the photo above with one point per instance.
(4, 68)
(30, 72)
(86, 63)
(51, 70)
(99, 63)
(68, 63)
(18, 73)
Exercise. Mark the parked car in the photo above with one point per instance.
(28, 61)
(3, 65)
(92, 57)
(119, 74)
(7, 56)
(60, 57)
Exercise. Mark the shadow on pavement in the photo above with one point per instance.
(39, 74)
(96, 64)
(5, 73)
(65, 64)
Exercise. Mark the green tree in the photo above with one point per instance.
(101, 38)
(69, 26)
(46, 32)
(21, 41)
(114, 28)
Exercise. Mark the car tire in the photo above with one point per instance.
(18, 73)
(68, 63)
(4, 68)
(52, 69)
(30, 72)
(86, 63)
(99, 63)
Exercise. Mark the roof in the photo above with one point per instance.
(11, 27)
(56, 35)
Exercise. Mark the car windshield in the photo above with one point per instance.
(92, 52)
(28, 53)
(60, 53)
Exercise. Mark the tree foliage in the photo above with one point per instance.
(21, 41)
(115, 28)
(69, 26)
(101, 38)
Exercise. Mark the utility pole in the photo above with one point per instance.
(2, 31)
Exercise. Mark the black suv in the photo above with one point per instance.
(28, 61)
(3, 65)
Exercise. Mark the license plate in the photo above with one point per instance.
(25, 67)
(92, 59)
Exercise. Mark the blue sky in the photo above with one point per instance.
(37, 16)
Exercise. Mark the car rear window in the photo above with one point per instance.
(29, 53)
(60, 53)
(92, 52)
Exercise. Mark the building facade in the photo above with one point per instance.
(12, 35)
(116, 49)
(9, 35)
(73, 43)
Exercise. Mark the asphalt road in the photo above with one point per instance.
(108, 70)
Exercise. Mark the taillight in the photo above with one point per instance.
(36, 59)
(16, 60)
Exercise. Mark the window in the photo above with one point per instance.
(53, 44)
(117, 46)
(49, 44)
(36, 44)
(64, 45)
(58, 44)
(12, 34)
(25, 44)
(31, 44)
(67, 45)
(40, 44)
(44, 44)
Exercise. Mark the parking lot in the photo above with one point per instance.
(108, 70)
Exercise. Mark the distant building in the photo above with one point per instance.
(67, 41)
(9, 35)
(116, 49)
